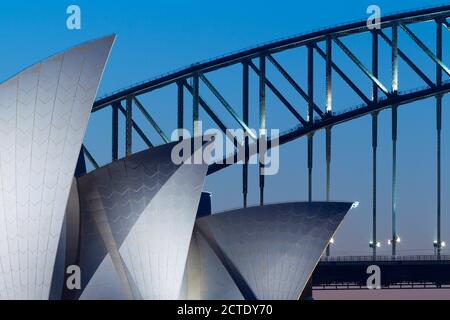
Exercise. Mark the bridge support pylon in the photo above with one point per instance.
(245, 103)
(329, 106)
(310, 117)
(395, 238)
(438, 243)
(328, 165)
(262, 121)
(394, 181)
(374, 243)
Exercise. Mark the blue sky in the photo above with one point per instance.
(154, 37)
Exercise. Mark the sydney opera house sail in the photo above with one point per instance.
(260, 253)
(137, 216)
(135, 228)
(44, 111)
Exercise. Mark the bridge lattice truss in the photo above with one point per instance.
(319, 45)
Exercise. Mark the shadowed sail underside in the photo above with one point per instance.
(137, 216)
(261, 253)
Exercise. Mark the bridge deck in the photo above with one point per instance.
(402, 272)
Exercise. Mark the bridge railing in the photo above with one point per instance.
(385, 258)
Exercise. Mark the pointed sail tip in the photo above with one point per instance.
(110, 38)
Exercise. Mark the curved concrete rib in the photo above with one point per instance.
(137, 217)
(44, 111)
(260, 253)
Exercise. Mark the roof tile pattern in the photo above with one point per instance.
(140, 212)
(44, 111)
(270, 252)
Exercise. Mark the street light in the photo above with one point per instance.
(397, 240)
(436, 244)
(378, 244)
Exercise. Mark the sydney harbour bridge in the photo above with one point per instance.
(324, 49)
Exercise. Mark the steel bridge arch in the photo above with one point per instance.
(325, 119)
(408, 17)
(318, 118)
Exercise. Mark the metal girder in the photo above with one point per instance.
(310, 146)
(207, 109)
(439, 53)
(262, 92)
(344, 77)
(394, 59)
(328, 162)
(151, 120)
(361, 66)
(408, 61)
(90, 157)
(227, 106)
(128, 126)
(394, 88)
(310, 83)
(374, 242)
(310, 159)
(280, 96)
(424, 47)
(394, 180)
(375, 86)
(446, 23)
(245, 115)
(301, 131)
(180, 107)
(195, 104)
(136, 127)
(294, 84)
(262, 120)
(438, 133)
(328, 173)
(115, 131)
(328, 75)
(438, 173)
